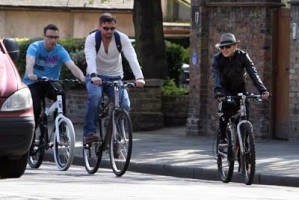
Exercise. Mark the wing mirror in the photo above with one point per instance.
(12, 47)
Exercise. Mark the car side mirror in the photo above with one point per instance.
(12, 48)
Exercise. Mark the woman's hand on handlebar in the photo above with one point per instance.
(96, 80)
(265, 95)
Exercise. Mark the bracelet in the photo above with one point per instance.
(139, 79)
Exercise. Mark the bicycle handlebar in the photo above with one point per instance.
(119, 83)
(45, 79)
(241, 95)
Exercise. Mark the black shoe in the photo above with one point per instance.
(90, 138)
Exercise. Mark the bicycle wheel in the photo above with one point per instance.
(121, 142)
(248, 157)
(92, 156)
(64, 144)
(225, 160)
(38, 146)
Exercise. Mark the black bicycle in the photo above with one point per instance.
(239, 145)
(115, 133)
(61, 138)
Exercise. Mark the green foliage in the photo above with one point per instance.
(176, 54)
(174, 58)
(170, 88)
(186, 55)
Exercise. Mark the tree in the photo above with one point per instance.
(150, 44)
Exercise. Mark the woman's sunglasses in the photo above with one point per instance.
(226, 46)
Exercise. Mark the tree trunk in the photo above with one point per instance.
(150, 44)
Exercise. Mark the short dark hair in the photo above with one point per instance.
(107, 17)
(50, 27)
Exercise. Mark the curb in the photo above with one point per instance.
(191, 172)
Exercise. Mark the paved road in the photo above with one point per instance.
(169, 151)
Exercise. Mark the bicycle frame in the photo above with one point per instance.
(59, 105)
(108, 108)
(240, 116)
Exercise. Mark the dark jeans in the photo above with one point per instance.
(41, 90)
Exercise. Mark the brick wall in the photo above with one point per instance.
(252, 23)
(147, 110)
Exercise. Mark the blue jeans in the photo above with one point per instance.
(94, 99)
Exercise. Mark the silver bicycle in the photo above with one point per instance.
(62, 137)
(240, 143)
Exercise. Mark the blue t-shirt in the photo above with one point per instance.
(47, 64)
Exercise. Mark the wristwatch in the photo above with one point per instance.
(93, 75)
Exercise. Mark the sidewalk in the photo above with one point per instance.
(170, 152)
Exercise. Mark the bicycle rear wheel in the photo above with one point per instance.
(225, 160)
(38, 146)
(64, 144)
(121, 142)
(248, 156)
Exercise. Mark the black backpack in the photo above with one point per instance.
(98, 39)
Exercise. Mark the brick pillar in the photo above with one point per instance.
(199, 66)
(294, 75)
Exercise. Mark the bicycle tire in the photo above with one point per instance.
(38, 146)
(248, 164)
(92, 157)
(64, 146)
(225, 160)
(121, 142)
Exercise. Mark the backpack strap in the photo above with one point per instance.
(117, 41)
(98, 38)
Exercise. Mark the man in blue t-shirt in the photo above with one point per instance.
(44, 59)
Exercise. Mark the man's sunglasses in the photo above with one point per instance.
(107, 28)
(52, 37)
(226, 46)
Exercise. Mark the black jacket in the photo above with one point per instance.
(229, 74)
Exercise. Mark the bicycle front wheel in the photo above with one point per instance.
(121, 142)
(92, 155)
(225, 159)
(64, 144)
(248, 156)
(38, 146)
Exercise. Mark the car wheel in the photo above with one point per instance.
(13, 168)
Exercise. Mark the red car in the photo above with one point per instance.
(16, 114)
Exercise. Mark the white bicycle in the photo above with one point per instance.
(61, 138)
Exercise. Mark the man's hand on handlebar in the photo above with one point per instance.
(140, 83)
(32, 77)
(96, 80)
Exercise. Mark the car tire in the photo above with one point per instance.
(13, 168)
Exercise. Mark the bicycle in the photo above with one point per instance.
(115, 133)
(240, 143)
(62, 137)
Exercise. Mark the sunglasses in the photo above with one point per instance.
(226, 46)
(109, 28)
(52, 37)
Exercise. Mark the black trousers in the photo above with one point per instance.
(41, 90)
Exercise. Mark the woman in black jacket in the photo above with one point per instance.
(229, 68)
